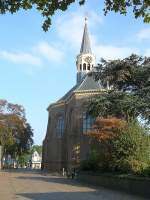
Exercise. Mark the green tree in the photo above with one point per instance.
(37, 148)
(129, 94)
(47, 8)
(26, 156)
(128, 99)
(130, 149)
(15, 133)
(116, 148)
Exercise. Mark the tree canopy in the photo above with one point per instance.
(47, 8)
(119, 146)
(129, 88)
(15, 133)
(37, 148)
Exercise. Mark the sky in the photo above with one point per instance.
(38, 68)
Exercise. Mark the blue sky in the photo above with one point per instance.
(37, 68)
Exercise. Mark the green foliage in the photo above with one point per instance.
(92, 163)
(117, 104)
(47, 8)
(37, 148)
(146, 172)
(130, 149)
(24, 159)
(126, 152)
(15, 133)
(129, 96)
(140, 8)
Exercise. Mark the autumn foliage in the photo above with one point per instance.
(106, 128)
(119, 146)
(15, 133)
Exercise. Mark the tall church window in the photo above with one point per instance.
(80, 67)
(60, 127)
(88, 122)
(84, 66)
(88, 66)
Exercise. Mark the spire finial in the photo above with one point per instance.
(85, 46)
(86, 19)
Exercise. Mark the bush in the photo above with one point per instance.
(91, 164)
(128, 151)
(146, 172)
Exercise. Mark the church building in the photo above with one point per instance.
(66, 143)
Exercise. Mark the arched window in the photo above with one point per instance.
(88, 122)
(80, 67)
(60, 127)
(88, 66)
(84, 66)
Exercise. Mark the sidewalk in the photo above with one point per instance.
(6, 188)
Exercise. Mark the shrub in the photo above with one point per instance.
(127, 150)
(91, 164)
(130, 149)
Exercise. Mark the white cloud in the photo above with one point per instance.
(144, 34)
(36, 58)
(113, 52)
(20, 57)
(70, 27)
(70, 31)
(50, 52)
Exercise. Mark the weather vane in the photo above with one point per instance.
(86, 17)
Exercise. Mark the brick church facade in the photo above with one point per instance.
(66, 144)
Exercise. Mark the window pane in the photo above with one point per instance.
(60, 127)
(88, 122)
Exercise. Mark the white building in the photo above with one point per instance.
(36, 160)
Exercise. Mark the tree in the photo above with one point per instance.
(26, 156)
(37, 148)
(15, 133)
(47, 8)
(121, 147)
(130, 149)
(105, 128)
(140, 8)
(102, 134)
(129, 93)
(128, 100)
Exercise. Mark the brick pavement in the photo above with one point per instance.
(29, 185)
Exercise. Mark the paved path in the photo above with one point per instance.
(26, 185)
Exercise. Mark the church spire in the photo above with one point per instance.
(85, 46)
(86, 59)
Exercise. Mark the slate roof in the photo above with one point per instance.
(85, 46)
(87, 84)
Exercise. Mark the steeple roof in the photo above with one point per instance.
(85, 46)
(88, 83)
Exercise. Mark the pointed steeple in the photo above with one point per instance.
(85, 60)
(85, 47)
